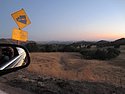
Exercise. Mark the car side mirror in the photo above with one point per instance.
(12, 58)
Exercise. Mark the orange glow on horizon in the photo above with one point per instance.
(101, 36)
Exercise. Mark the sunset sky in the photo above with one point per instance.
(66, 20)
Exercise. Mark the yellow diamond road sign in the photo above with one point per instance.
(21, 18)
(19, 35)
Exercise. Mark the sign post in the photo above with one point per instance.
(18, 42)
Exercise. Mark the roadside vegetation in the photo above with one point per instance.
(89, 50)
(100, 53)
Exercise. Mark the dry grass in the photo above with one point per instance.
(71, 66)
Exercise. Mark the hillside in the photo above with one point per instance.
(119, 41)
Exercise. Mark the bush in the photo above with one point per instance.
(101, 54)
(116, 46)
(112, 52)
(88, 54)
(32, 47)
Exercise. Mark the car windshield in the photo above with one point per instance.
(75, 46)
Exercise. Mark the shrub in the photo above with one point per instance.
(32, 47)
(88, 54)
(116, 46)
(101, 54)
(112, 52)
